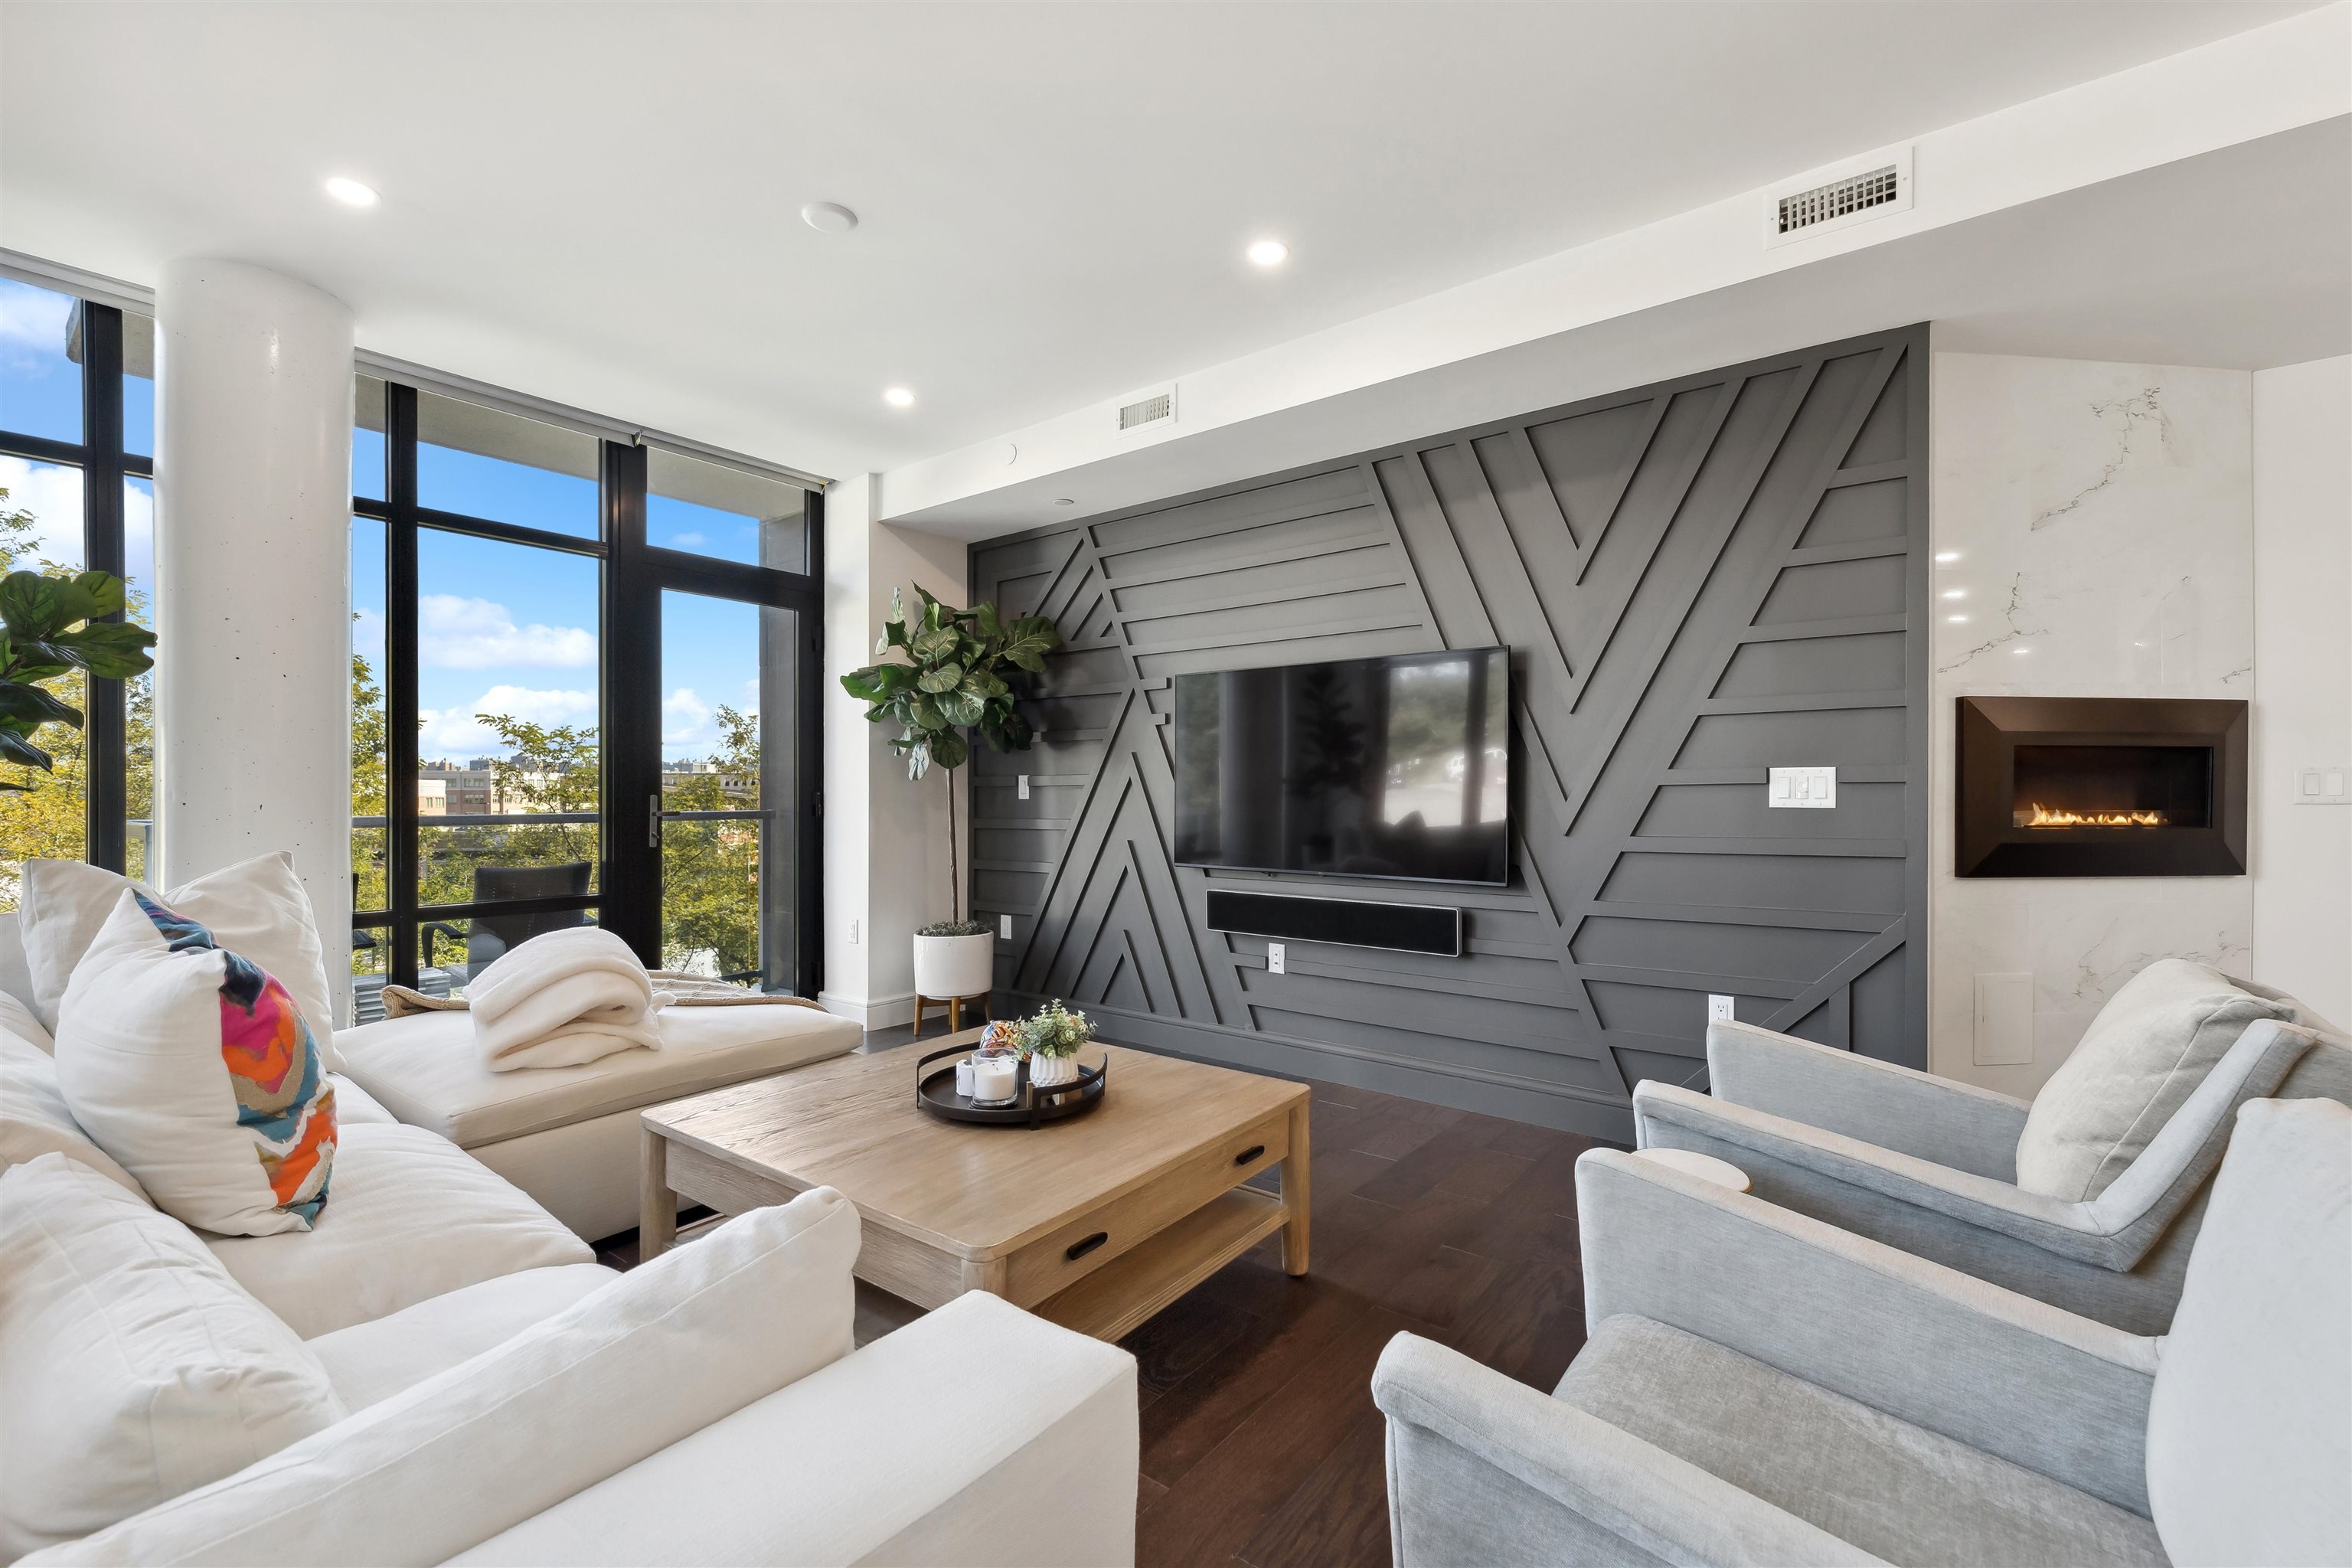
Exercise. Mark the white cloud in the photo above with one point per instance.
(686, 719)
(32, 325)
(367, 637)
(53, 495)
(459, 633)
(457, 731)
(688, 541)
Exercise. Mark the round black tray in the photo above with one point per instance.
(1031, 1106)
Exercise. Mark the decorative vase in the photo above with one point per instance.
(1044, 1072)
(952, 966)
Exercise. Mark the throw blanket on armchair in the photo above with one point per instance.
(562, 998)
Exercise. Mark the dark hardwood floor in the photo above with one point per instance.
(1260, 1445)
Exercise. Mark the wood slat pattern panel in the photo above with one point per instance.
(1698, 581)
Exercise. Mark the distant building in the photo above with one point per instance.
(431, 798)
(468, 791)
(735, 786)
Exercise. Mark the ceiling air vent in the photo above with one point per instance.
(1838, 197)
(1148, 410)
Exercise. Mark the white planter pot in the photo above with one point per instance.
(1045, 1073)
(951, 966)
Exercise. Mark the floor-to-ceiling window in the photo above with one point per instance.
(76, 493)
(583, 678)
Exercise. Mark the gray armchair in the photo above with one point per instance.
(1763, 1388)
(1929, 1166)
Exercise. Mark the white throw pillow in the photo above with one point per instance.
(413, 1216)
(17, 1019)
(193, 1067)
(2250, 1428)
(2143, 1055)
(135, 1369)
(663, 1351)
(33, 1119)
(257, 908)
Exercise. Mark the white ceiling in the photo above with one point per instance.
(597, 203)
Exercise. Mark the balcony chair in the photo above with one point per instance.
(1763, 1388)
(489, 936)
(2032, 1196)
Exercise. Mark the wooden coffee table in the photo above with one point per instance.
(1095, 1223)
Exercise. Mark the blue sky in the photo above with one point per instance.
(502, 628)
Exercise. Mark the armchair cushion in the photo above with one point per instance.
(1896, 1490)
(2250, 1427)
(2143, 1055)
(662, 1352)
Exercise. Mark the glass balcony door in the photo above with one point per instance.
(726, 816)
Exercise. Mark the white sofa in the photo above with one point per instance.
(977, 1435)
(567, 1136)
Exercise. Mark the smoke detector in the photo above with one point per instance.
(1838, 196)
(1151, 409)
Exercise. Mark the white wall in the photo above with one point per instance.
(2098, 519)
(886, 863)
(2303, 707)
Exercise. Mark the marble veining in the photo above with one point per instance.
(2092, 537)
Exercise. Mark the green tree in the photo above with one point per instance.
(49, 822)
(710, 870)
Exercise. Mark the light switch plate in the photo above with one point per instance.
(1274, 958)
(2004, 1035)
(1719, 1008)
(1004, 927)
(1814, 788)
(1023, 787)
(853, 933)
(2323, 785)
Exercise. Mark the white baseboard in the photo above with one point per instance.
(877, 1012)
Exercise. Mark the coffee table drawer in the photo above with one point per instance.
(1077, 1249)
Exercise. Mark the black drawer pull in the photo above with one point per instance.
(1078, 1249)
(1246, 1155)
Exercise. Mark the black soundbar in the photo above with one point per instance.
(1348, 922)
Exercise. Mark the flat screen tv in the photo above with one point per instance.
(1375, 767)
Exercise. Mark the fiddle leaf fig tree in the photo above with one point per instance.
(51, 625)
(950, 680)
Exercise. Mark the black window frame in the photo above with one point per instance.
(632, 577)
(104, 466)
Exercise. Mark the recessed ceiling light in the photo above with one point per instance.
(1269, 253)
(1945, 557)
(898, 397)
(1066, 501)
(828, 218)
(351, 193)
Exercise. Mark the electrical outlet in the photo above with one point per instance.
(1810, 787)
(1719, 1008)
(1004, 927)
(1023, 787)
(853, 933)
(1274, 958)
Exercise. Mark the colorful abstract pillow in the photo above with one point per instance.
(193, 1068)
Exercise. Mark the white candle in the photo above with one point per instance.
(993, 1078)
(963, 1078)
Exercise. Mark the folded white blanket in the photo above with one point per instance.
(562, 998)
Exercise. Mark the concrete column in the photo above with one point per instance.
(885, 837)
(253, 485)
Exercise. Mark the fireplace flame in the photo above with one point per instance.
(2042, 816)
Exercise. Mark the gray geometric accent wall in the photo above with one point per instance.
(1697, 581)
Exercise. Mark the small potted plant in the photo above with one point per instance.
(1050, 1040)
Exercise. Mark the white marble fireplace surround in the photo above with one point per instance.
(2093, 537)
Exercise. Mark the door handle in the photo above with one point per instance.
(653, 821)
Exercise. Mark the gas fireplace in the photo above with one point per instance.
(2100, 786)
